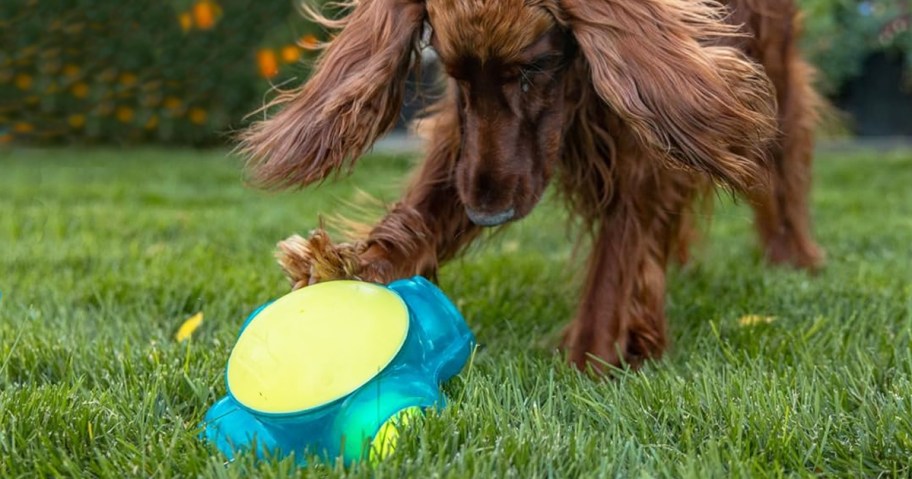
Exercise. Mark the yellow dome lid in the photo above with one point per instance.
(316, 345)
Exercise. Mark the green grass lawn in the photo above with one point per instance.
(104, 253)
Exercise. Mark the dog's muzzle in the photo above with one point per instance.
(490, 219)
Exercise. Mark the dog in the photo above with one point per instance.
(635, 108)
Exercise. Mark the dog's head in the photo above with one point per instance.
(508, 60)
(652, 63)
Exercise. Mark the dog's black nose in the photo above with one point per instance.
(490, 219)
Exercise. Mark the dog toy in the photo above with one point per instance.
(334, 369)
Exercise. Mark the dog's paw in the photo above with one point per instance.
(292, 255)
(603, 354)
(801, 254)
(314, 259)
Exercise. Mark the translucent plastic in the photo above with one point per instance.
(436, 348)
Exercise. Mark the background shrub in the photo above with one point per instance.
(183, 71)
(190, 71)
(841, 34)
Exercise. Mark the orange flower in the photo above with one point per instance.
(77, 120)
(197, 115)
(269, 66)
(80, 90)
(152, 122)
(205, 14)
(23, 81)
(290, 54)
(124, 114)
(309, 42)
(186, 21)
(127, 79)
(23, 127)
(70, 70)
(173, 103)
(6, 138)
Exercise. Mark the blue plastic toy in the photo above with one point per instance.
(332, 369)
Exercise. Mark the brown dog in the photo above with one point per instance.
(637, 106)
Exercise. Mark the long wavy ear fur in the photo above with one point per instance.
(659, 65)
(353, 97)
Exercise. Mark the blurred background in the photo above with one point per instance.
(189, 72)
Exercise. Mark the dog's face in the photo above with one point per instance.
(509, 84)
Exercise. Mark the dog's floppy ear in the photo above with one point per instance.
(354, 96)
(658, 65)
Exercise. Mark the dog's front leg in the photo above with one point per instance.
(429, 226)
(621, 319)
(426, 227)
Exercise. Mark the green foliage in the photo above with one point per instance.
(150, 70)
(104, 254)
(840, 34)
(189, 71)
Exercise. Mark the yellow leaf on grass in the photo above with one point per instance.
(755, 319)
(190, 325)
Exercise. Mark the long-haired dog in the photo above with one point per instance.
(636, 107)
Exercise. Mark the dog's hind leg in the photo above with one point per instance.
(782, 212)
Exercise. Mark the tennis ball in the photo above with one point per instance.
(384, 443)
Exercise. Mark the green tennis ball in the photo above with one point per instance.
(384, 443)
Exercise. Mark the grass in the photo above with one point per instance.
(103, 253)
